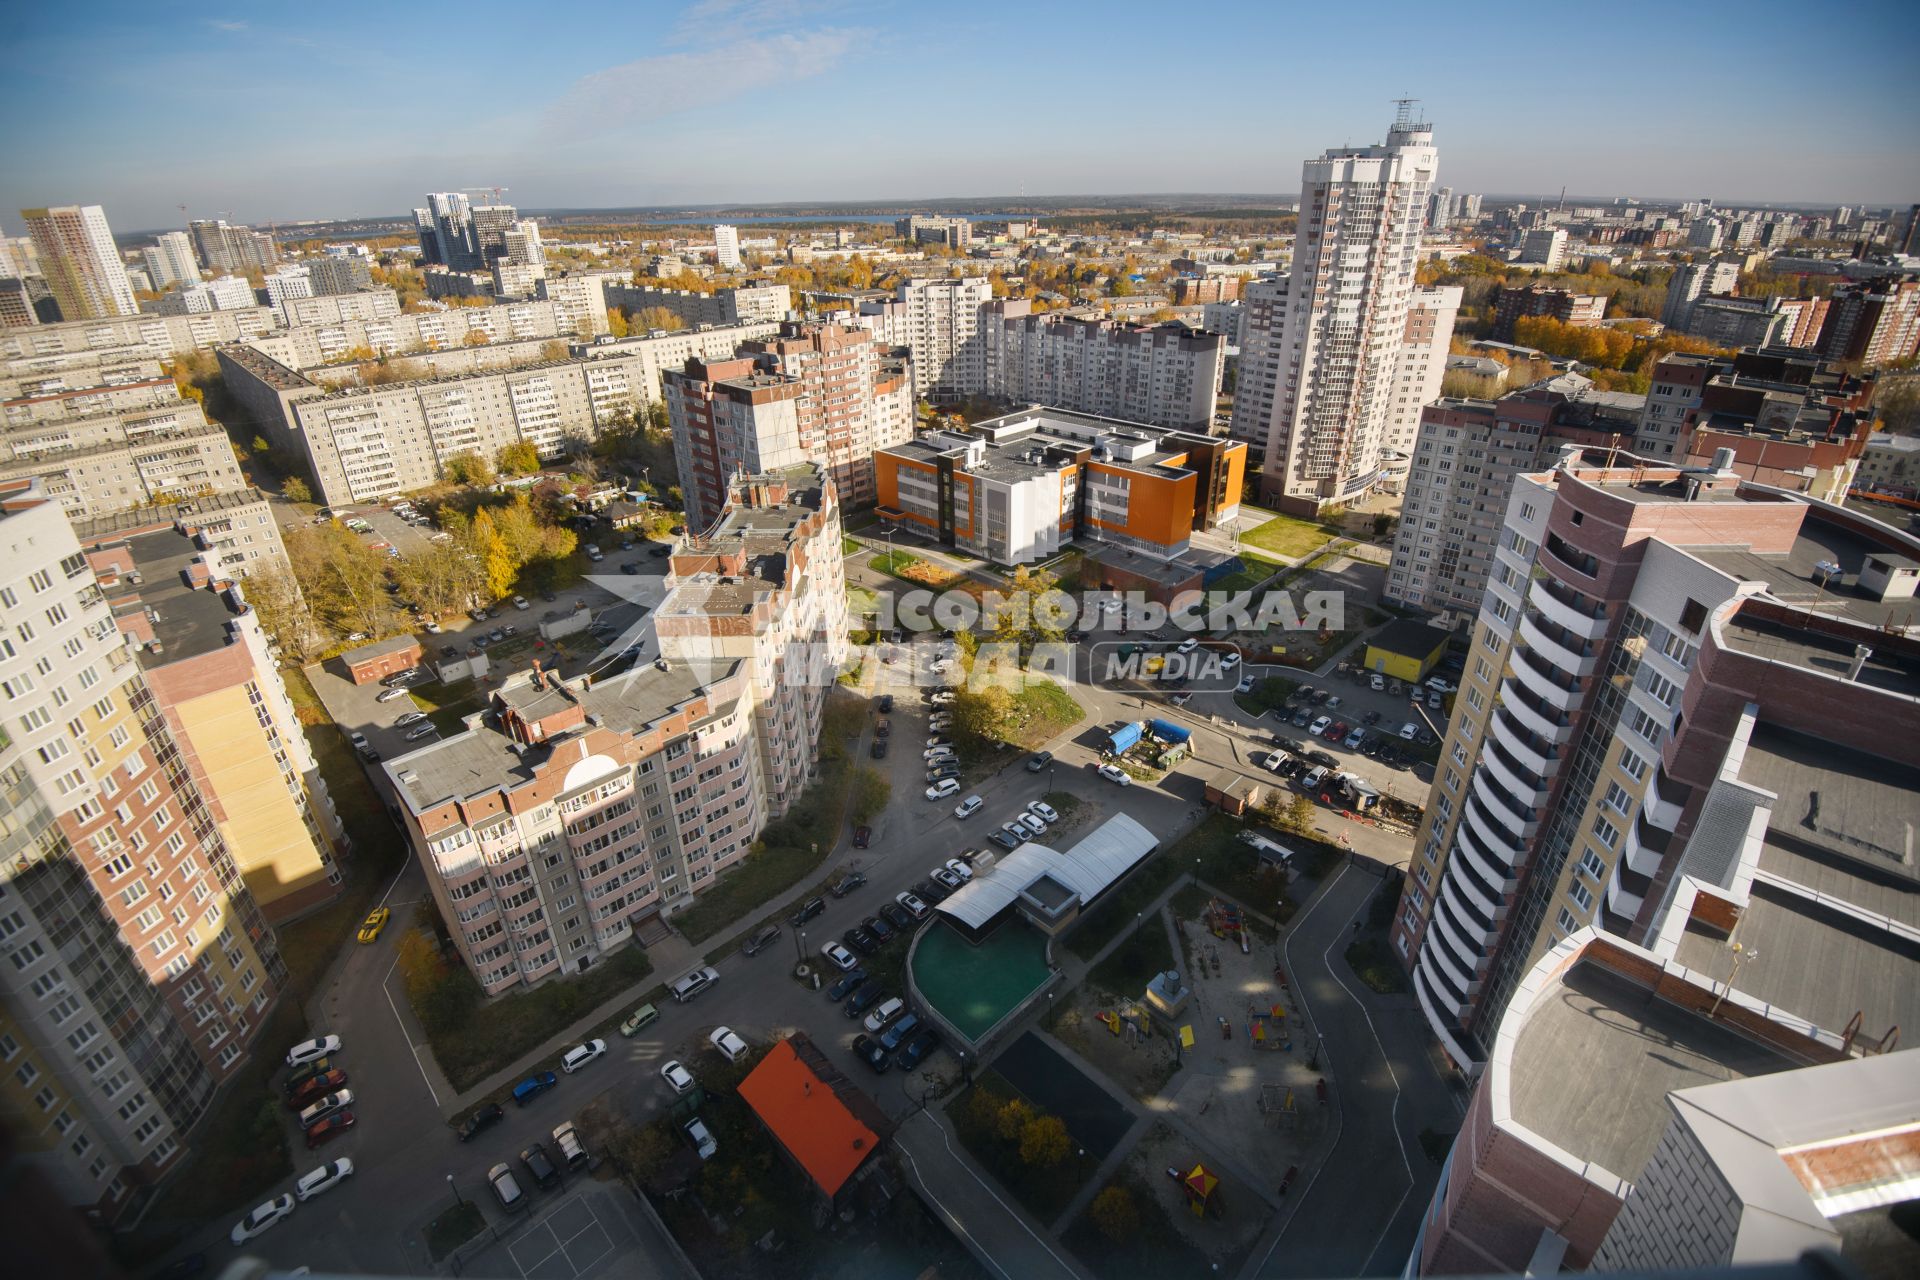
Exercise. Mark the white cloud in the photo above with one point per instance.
(649, 88)
(226, 24)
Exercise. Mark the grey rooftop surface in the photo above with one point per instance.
(187, 622)
(1594, 1063)
(1844, 821)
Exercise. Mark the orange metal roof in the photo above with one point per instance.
(809, 1120)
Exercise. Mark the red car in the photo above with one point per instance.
(862, 837)
(334, 1125)
(317, 1088)
(1339, 730)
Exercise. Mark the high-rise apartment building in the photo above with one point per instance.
(140, 965)
(1875, 322)
(740, 305)
(1695, 280)
(1564, 305)
(1167, 374)
(107, 460)
(222, 293)
(491, 225)
(1796, 403)
(17, 309)
(955, 233)
(726, 247)
(818, 393)
(294, 280)
(232, 248)
(171, 261)
(583, 808)
(447, 233)
(81, 262)
(343, 272)
(939, 321)
(1318, 370)
(1670, 672)
(1544, 247)
(1421, 364)
(523, 245)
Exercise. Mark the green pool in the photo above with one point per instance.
(973, 987)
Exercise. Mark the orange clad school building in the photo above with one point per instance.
(1016, 489)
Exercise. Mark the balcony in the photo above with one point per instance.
(1502, 807)
(1491, 854)
(1533, 714)
(1572, 655)
(1564, 608)
(1537, 757)
(1560, 554)
(1523, 784)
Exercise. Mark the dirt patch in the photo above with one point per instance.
(1215, 1243)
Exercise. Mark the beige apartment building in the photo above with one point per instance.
(98, 465)
(583, 808)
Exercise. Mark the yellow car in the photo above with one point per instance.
(370, 931)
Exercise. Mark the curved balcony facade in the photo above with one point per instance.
(1562, 606)
(1527, 750)
(1538, 717)
(1566, 651)
(1504, 808)
(1525, 786)
(1547, 682)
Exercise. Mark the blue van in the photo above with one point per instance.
(533, 1086)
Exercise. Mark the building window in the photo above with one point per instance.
(1634, 765)
(1606, 832)
(1581, 895)
(1591, 866)
(1565, 922)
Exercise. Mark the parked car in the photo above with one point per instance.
(918, 1049)
(317, 1088)
(641, 1017)
(261, 1220)
(539, 1165)
(580, 1055)
(896, 1035)
(1409, 731)
(897, 917)
(864, 997)
(943, 772)
(1032, 823)
(868, 1050)
(688, 986)
(678, 1078)
(298, 1078)
(389, 695)
(862, 837)
(308, 1050)
(728, 1042)
(838, 956)
(573, 1153)
(808, 910)
(1377, 682)
(1337, 732)
(930, 891)
(1300, 718)
(1000, 837)
(485, 1117)
(1355, 738)
(701, 1138)
(884, 704)
(1319, 727)
(325, 1178)
(879, 749)
(914, 905)
(1044, 811)
(886, 1012)
(846, 983)
(968, 807)
(949, 881)
(939, 740)
(533, 1086)
(847, 884)
(944, 788)
(505, 1189)
(1115, 774)
(420, 731)
(1310, 782)
(884, 728)
(761, 941)
(1038, 761)
(324, 1106)
(328, 1129)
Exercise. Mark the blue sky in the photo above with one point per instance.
(278, 111)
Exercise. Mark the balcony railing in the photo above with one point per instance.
(1565, 650)
(1568, 608)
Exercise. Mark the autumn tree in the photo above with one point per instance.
(1115, 1214)
(296, 489)
(282, 610)
(518, 459)
(617, 322)
(343, 578)
(440, 579)
(1044, 1142)
(1011, 1119)
(651, 318)
(468, 468)
(497, 567)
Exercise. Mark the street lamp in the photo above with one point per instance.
(1049, 1011)
(799, 946)
(456, 1192)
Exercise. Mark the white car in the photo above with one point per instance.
(940, 720)
(411, 717)
(1319, 725)
(1409, 731)
(702, 1139)
(960, 870)
(389, 695)
(1377, 683)
(257, 1222)
(886, 1011)
(968, 807)
(325, 1178)
(937, 753)
(838, 956)
(520, 602)
(941, 698)
(1114, 773)
(339, 1100)
(580, 1055)
(730, 1045)
(1020, 830)
(944, 788)
(914, 906)
(1189, 645)
(1273, 761)
(946, 878)
(678, 1078)
(1229, 660)
(1442, 684)
(1310, 781)
(1044, 811)
(308, 1050)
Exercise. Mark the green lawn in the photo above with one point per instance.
(1042, 710)
(447, 705)
(1269, 694)
(1289, 537)
(459, 1224)
(848, 546)
(894, 562)
(1133, 964)
(1254, 570)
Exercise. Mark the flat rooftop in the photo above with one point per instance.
(1593, 1065)
(186, 621)
(1844, 823)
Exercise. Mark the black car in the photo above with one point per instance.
(942, 772)
(1322, 758)
(884, 705)
(868, 1050)
(845, 984)
(860, 940)
(880, 929)
(548, 596)
(808, 910)
(761, 941)
(1372, 717)
(302, 1076)
(917, 1050)
(930, 891)
(630, 567)
(483, 1118)
(848, 883)
(897, 916)
(661, 553)
(879, 749)
(1004, 840)
(1038, 761)
(539, 1166)
(868, 995)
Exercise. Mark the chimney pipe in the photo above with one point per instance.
(1861, 653)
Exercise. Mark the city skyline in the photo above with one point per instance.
(569, 123)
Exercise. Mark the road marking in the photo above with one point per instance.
(387, 991)
(1037, 1238)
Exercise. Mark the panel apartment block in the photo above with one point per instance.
(99, 465)
(1167, 375)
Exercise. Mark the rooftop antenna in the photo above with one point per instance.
(1404, 115)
